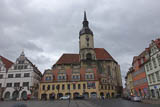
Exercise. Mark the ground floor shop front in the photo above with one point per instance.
(89, 89)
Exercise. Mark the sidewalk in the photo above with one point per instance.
(151, 101)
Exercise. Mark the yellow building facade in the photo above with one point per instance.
(50, 90)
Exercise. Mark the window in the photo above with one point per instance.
(75, 77)
(79, 86)
(150, 65)
(26, 74)
(157, 76)
(108, 87)
(109, 70)
(25, 84)
(9, 84)
(43, 87)
(74, 86)
(17, 84)
(84, 86)
(18, 75)
(21, 62)
(10, 75)
(25, 67)
(105, 87)
(91, 76)
(102, 87)
(58, 87)
(147, 67)
(158, 58)
(153, 78)
(48, 78)
(48, 88)
(68, 86)
(53, 87)
(1, 76)
(63, 87)
(19, 67)
(112, 87)
(154, 63)
(61, 77)
(149, 76)
(15, 67)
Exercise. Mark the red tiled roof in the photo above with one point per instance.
(7, 62)
(102, 54)
(69, 59)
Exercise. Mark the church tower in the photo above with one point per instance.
(86, 42)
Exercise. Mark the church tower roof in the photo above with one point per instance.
(85, 29)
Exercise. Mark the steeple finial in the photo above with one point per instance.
(85, 22)
(85, 29)
(85, 17)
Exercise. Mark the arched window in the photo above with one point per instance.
(89, 56)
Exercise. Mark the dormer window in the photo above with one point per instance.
(48, 78)
(21, 62)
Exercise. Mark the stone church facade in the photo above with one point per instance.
(93, 73)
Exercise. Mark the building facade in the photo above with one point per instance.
(153, 69)
(5, 64)
(92, 73)
(21, 79)
(140, 82)
(129, 83)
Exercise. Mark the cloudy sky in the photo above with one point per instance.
(45, 29)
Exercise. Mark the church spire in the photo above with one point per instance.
(85, 29)
(85, 22)
(85, 17)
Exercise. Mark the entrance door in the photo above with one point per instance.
(86, 95)
(7, 96)
(24, 95)
(44, 96)
(15, 95)
(93, 95)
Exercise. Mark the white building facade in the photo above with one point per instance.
(21, 80)
(5, 64)
(152, 68)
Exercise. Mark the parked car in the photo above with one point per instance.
(136, 98)
(79, 97)
(64, 98)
